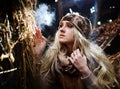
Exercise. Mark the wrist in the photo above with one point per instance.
(85, 72)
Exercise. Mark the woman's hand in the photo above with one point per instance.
(80, 62)
(39, 45)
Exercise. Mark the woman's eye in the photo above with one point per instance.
(66, 25)
(60, 25)
(69, 25)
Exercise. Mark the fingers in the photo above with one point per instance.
(76, 56)
(38, 35)
(70, 59)
(78, 60)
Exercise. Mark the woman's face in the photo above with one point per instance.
(66, 32)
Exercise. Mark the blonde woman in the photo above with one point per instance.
(73, 62)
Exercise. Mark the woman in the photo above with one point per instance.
(73, 62)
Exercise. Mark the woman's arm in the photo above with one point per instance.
(39, 46)
(90, 81)
(80, 62)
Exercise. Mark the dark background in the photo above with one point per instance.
(105, 10)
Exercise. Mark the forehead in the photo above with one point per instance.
(65, 22)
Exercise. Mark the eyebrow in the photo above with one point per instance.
(67, 22)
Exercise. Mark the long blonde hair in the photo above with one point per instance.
(97, 60)
(105, 72)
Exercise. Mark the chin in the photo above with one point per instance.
(61, 41)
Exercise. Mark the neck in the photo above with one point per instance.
(70, 49)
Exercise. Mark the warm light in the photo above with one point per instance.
(99, 23)
(56, 0)
(110, 20)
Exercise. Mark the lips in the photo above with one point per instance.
(61, 35)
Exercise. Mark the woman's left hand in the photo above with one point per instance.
(80, 62)
(39, 45)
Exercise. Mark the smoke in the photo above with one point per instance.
(44, 16)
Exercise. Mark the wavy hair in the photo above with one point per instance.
(98, 62)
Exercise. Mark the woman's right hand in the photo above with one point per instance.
(80, 62)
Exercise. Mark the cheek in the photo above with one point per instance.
(70, 37)
(71, 34)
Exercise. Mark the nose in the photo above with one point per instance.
(62, 29)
